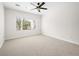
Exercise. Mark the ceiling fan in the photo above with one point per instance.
(39, 6)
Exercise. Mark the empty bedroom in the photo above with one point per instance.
(39, 28)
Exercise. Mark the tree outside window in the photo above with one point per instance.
(23, 24)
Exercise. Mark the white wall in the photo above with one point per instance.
(62, 21)
(10, 18)
(1, 24)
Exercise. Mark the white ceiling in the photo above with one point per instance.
(24, 6)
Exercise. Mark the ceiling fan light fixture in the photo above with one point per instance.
(17, 5)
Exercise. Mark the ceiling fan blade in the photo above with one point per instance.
(44, 8)
(41, 4)
(33, 4)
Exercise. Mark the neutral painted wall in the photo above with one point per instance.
(62, 21)
(1, 24)
(10, 17)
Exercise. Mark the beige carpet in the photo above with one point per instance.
(38, 45)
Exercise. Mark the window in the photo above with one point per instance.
(23, 24)
(18, 24)
(26, 25)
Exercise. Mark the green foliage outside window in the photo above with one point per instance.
(26, 25)
(18, 24)
(23, 24)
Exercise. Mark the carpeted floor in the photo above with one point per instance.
(38, 45)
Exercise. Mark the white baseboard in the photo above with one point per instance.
(60, 38)
(10, 38)
(1, 43)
